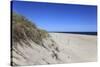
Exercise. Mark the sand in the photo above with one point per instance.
(73, 48)
(77, 47)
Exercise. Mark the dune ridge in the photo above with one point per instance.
(34, 46)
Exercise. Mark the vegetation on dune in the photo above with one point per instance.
(23, 29)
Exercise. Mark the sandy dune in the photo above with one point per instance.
(75, 47)
(34, 46)
(65, 48)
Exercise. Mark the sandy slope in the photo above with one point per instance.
(33, 46)
(66, 48)
(75, 47)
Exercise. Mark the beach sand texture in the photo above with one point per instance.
(77, 47)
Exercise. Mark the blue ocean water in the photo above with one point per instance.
(83, 33)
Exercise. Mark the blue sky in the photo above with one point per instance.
(59, 17)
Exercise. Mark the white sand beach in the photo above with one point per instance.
(77, 47)
(66, 48)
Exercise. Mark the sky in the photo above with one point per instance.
(56, 17)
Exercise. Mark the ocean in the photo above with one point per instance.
(83, 33)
